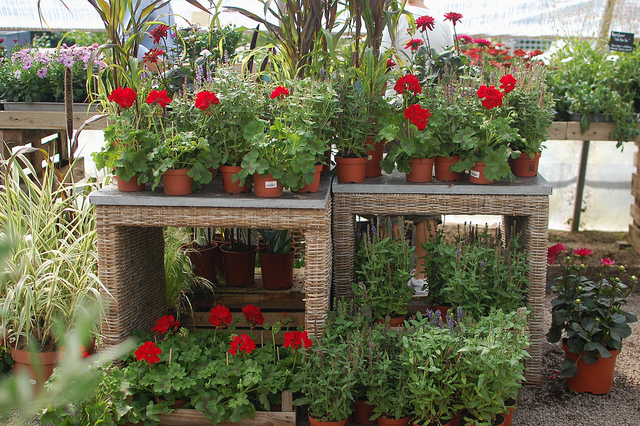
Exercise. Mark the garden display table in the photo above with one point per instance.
(131, 245)
(523, 205)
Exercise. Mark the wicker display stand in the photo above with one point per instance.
(131, 245)
(523, 204)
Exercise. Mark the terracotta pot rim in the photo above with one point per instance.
(25, 357)
(225, 249)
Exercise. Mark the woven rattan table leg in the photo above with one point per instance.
(318, 278)
(343, 228)
(131, 266)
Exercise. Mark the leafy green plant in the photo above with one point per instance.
(276, 240)
(354, 120)
(383, 268)
(476, 271)
(52, 269)
(589, 313)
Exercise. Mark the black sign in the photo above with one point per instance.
(621, 42)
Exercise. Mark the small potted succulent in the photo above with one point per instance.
(588, 316)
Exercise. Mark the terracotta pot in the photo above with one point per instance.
(315, 185)
(382, 421)
(476, 174)
(421, 170)
(239, 266)
(525, 166)
(130, 185)
(326, 168)
(314, 422)
(217, 256)
(361, 413)
(277, 269)
(374, 157)
(351, 170)
(596, 378)
(232, 186)
(508, 416)
(394, 322)
(214, 172)
(442, 167)
(266, 186)
(38, 365)
(203, 260)
(176, 182)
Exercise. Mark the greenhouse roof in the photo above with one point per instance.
(519, 18)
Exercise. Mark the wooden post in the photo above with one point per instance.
(606, 22)
(582, 172)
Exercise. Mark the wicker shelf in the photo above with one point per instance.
(131, 245)
(523, 205)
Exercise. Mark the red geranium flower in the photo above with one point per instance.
(453, 17)
(536, 52)
(424, 22)
(408, 82)
(508, 83)
(414, 44)
(158, 33)
(160, 97)
(492, 96)
(296, 340)
(152, 55)
(553, 252)
(582, 252)
(242, 343)
(391, 63)
(417, 115)
(279, 92)
(519, 52)
(165, 324)
(205, 99)
(220, 315)
(607, 262)
(125, 97)
(149, 352)
(253, 315)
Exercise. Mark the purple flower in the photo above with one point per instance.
(28, 63)
(199, 74)
(17, 74)
(42, 72)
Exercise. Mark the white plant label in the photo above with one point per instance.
(270, 184)
(474, 174)
(370, 157)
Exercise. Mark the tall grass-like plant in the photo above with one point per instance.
(52, 267)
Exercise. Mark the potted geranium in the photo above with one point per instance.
(415, 153)
(383, 268)
(588, 316)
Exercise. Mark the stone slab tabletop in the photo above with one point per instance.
(396, 183)
(211, 195)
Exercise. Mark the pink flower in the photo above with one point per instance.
(606, 262)
(391, 63)
(582, 252)
(414, 44)
(553, 252)
(465, 38)
(424, 22)
(453, 17)
(482, 42)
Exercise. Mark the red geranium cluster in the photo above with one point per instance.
(491, 97)
(242, 343)
(165, 324)
(253, 315)
(220, 315)
(508, 83)
(417, 115)
(296, 340)
(204, 99)
(414, 44)
(160, 97)
(159, 33)
(123, 96)
(553, 252)
(425, 22)
(408, 82)
(279, 92)
(149, 352)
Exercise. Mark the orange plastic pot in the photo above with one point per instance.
(525, 165)
(421, 170)
(315, 185)
(382, 421)
(176, 182)
(596, 378)
(37, 365)
(476, 174)
(314, 422)
(229, 185)
(374, 157)
(130, 185)
(266, 186)
(443, 171)
(508, 416)
(394, 322)
(351, 170)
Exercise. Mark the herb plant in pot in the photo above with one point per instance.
(415, 153)
(588, 316)
(383, 268)
(276, 259)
